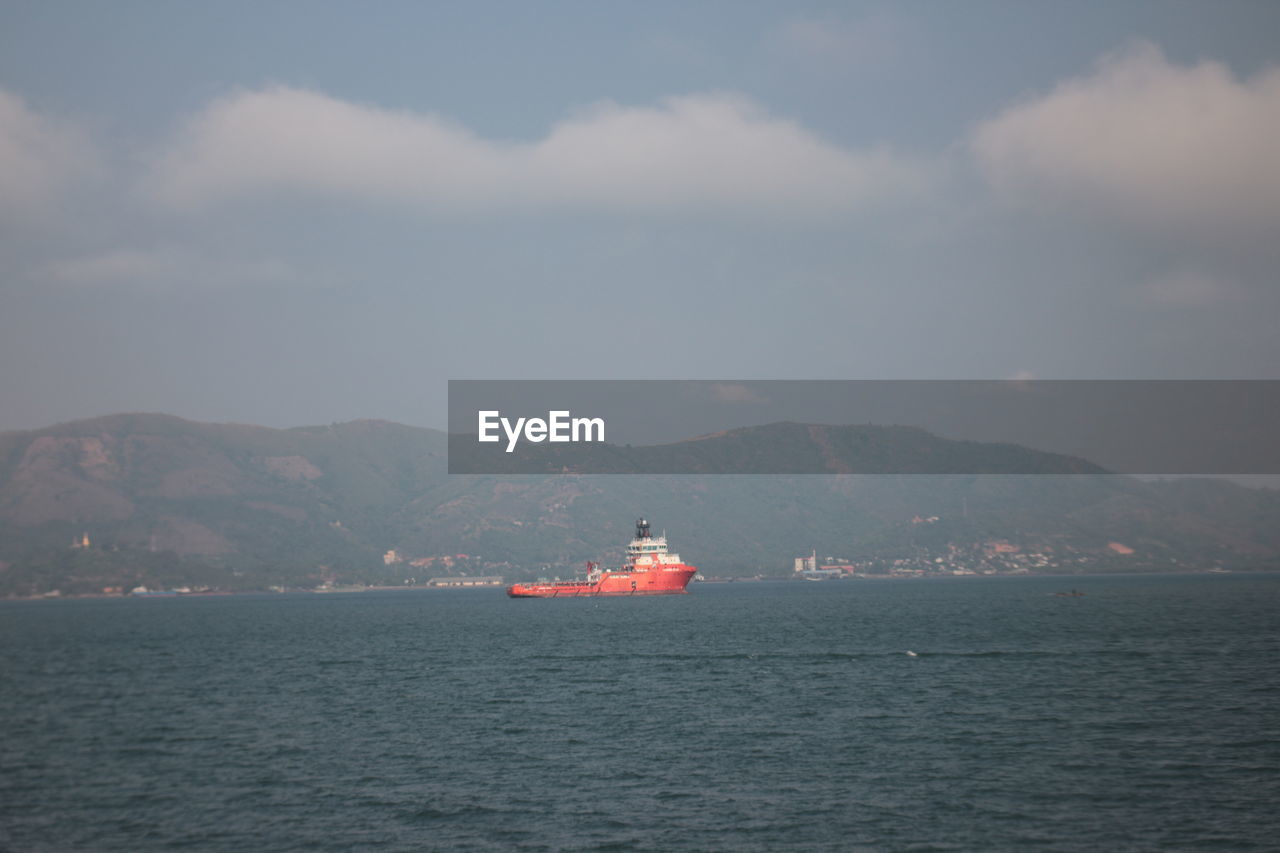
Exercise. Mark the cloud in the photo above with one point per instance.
(164, 268)
(871, 40)
(736, 392)
(1183, 147)
(1186, 288)
(701, 153)
(39, 158)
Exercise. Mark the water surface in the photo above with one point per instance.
(775, 716)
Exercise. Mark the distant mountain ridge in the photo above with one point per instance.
(783, 448)
(166, 501)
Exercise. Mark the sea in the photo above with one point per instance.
(969, 714)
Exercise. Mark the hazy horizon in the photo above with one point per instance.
(301, 214)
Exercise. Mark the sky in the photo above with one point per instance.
(302, 213)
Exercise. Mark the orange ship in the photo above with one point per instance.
(650, 570)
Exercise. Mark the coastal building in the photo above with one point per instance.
(491, 580)
(807, 564)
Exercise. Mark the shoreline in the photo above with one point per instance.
(715, 581)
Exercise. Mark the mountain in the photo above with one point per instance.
(166, 502)
(780, 448)
(203, 502)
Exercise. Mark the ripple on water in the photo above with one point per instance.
(741, 717)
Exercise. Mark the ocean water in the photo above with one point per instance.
(773, 716)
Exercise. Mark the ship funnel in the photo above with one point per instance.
(642, 529)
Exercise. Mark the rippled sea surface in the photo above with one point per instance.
(770, 716)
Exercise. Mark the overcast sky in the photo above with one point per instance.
(299, 213)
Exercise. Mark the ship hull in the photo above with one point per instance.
(670, 580)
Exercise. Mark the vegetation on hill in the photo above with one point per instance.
(168, 503)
